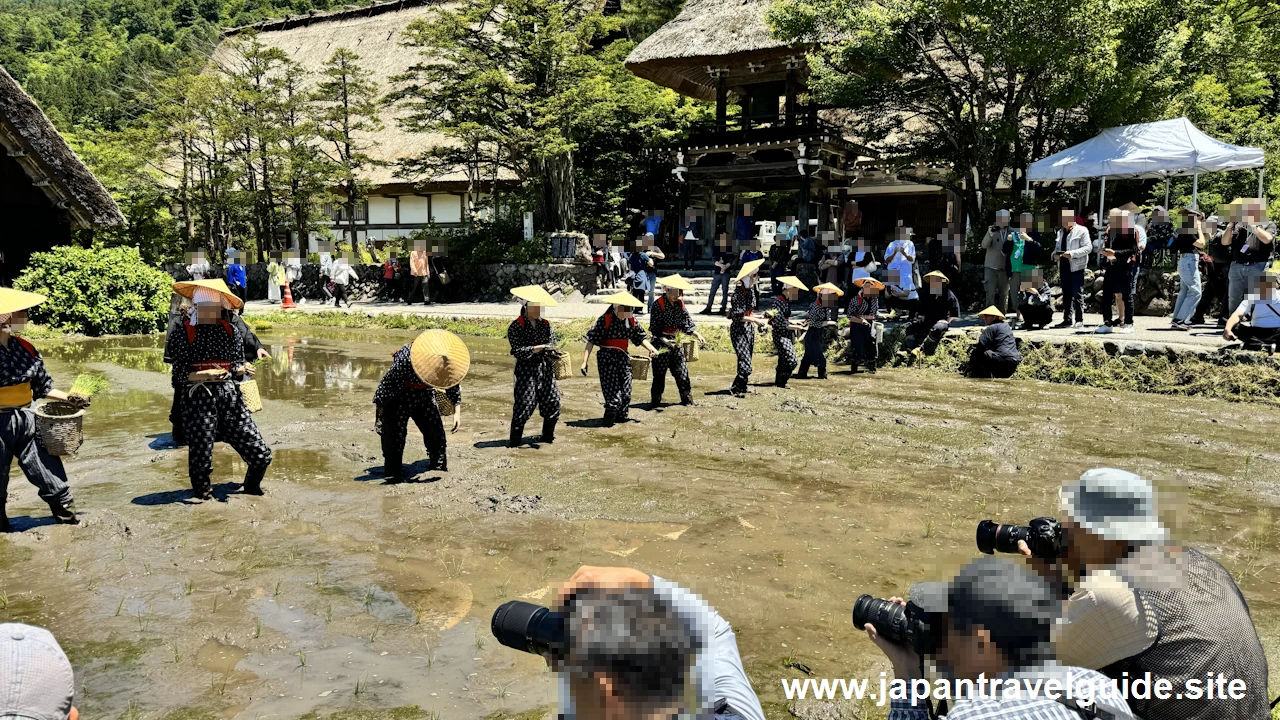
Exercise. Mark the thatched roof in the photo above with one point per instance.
(716, 33)
(28, 137)
(374, 33)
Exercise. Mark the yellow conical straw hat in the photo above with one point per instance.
(535, 294)
(793, 281)
(748, 268)
(624, 298)
(11, 301)
(440, 358)
(828, 287)
(675, 281)
(991, 310)
(187, 289)
(868, 280)
(936, 274)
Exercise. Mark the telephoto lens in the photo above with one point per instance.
(529, 628)
(1044, 537)
(899, 625)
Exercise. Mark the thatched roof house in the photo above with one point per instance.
(32, 142)
(45, 189)
(398, 204)
(706, 35)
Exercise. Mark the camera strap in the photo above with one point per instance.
(1091, 712)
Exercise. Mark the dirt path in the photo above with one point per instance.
(339, 594)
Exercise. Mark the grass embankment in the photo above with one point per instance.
(1241, 376)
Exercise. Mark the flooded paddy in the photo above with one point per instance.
(339, 594)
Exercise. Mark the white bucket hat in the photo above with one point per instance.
(1114, 505)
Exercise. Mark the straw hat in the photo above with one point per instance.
(748, 268)
(793, 281)
(440, 358)
(624, 298)
(675, 281)
(869, 281)
(991, 310)
(11, 301)
(828, 287)
(187, 289)
(534, 294)
(939, 276)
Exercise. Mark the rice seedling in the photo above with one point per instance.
(276, 592)
(479, 641)
(146, 569)
(119, 607)
(188, 587)
(88, 385)
(66, 567)
(215, 604)
(4, 601)
(777, 558)
(369, 597)
(361, 685)
(173, 647)
(328, 614)
(257, 628)
(928, 528)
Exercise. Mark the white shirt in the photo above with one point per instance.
(908, 249)
(198, 270)
(900, 276)
(1262, 312)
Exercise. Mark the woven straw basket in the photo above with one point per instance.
(563, 365)
(689, 348)
(251, 395)
(58, 427)
(442, 402)
(640, 367)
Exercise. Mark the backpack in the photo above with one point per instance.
(808, 250)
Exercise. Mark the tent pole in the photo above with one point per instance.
(1088, 193)
(1102, 199)
(1166, 192)
(1195, 191)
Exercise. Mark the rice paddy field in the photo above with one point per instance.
(338, 595)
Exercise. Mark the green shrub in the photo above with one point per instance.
(97, 291)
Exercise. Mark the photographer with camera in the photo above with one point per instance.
(631, 646)
(1136, 605)
(988, 629)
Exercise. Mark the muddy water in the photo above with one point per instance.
(337, 592)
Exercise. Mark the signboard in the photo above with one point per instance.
(528, 226)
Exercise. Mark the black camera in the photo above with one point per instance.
(530, 628)
(910, 626)
(1044, 536)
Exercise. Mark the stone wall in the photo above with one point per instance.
(558, 278)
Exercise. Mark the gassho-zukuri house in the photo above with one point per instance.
(396, 205)
(718, 49)
(46, 192)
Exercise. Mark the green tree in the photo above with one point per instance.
(347, 112)
(985, 87)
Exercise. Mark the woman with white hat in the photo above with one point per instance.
(23, 380)
(436, 359)
(668, 316)
(784, 331)
(743, 323)
(533, 343)
(207, 358)
(822, 315)
(613, 333)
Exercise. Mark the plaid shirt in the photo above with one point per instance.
(861, 304)
(1023, 707)
(18, 365)
(394, 383)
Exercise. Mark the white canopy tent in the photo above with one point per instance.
(1164, 149)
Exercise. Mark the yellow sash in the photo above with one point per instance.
(16, 395)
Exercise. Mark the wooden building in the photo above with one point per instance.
(46, 192)
(722, 51)
(396, 205)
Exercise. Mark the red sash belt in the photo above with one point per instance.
(416, 386)
(670, 331)
(618, 344)
(211, 365)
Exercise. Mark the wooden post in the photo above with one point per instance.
(722, 104)
(791, 97)
(802, 212)
(745, 102)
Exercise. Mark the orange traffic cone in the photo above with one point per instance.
(287, 304)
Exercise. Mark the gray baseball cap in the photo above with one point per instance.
(1114, 505)
(36, 680)
(1013, 603)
